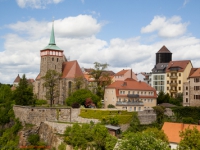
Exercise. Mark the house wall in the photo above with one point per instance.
(181, 76)
(158, 81)
(146, 100)
(173, 145)
(188, 95)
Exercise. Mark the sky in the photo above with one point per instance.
(126, 34)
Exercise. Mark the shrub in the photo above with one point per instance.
(75, 105)
(111, 106)
(40, 102)
(33, 139)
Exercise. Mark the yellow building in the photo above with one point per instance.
(177, 73)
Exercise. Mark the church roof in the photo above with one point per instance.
(52, 43)
(71, 69)
(164, 50)
(17, 79)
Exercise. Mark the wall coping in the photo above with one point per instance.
(42, 107)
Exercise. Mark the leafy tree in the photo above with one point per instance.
(160, 113)
(5, 93)
(110, 142)
(141, 141)
(33, 139)
(51, 82)
(101, 77)
(23, 95)
(190, 139)
(159, 134)
(163, 97)
(134, 124)
(80, 96)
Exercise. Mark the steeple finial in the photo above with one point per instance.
(52, 38)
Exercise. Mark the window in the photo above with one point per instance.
(120, 92)
(186, 88)
(196, 88)
(196, 96)
(57, 59)
(139, 108)
(52, 59)
(119, 99)
(186, 93)
(179, 74)
(168, 75)
(134, 108)
(186, 100)
(179, 88)
(167, 88)
(196, 79)
(55, 66)
(123, 92)
(128, 92)
(179, 82)
(167, 81)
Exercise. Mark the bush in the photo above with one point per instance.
(33, 139)
(75, 105)
(188, 120)
(40, 102)
(111, 106)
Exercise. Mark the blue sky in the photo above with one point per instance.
(125, 34)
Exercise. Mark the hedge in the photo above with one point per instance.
(124, 116)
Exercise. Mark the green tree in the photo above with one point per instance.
(52, 82)
(110, 142)
(80, 96)
(5, 93)
(101, 77)
(190, 139)
(158, 134)
(141, 141)
(160, 113)
(23, 95)
(33, 139)
(134, 124)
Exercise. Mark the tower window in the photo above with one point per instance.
(52, 59)
(57, 59)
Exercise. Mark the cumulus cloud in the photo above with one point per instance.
(166, 27)
(37, 4)
(22, 48)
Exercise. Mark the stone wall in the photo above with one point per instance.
(147, 116)
(36, 115)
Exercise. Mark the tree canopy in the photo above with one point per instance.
(23, 95)
(51, 82)
(101, 77)
(80, 97)
(141, 141)
(89, 136)
(190, 139)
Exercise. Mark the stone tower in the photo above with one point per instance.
(52, 56)
(163, 55)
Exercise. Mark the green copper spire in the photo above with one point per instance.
(52, 43)
(52, 38)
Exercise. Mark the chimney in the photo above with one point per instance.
(131, 74)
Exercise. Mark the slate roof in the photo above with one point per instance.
(71, 69)
(172, 130)
(160, 66)
(164, 50)
(181, 64)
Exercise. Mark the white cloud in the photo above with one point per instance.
(166, 27)
(185, 2)
(22, 53)
(38, 4)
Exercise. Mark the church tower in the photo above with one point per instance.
(163, 55)
(52, 57)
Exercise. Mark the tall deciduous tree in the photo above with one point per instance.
(23, 95)
(51, 82)
(190, 139)
(101, 77)
(141, 141)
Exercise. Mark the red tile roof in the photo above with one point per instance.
(132, 85)
(71, 69)
(122, 72)
(172, 130)
(164, 50)
(17, 79)
(182, 64)
(195, 72)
